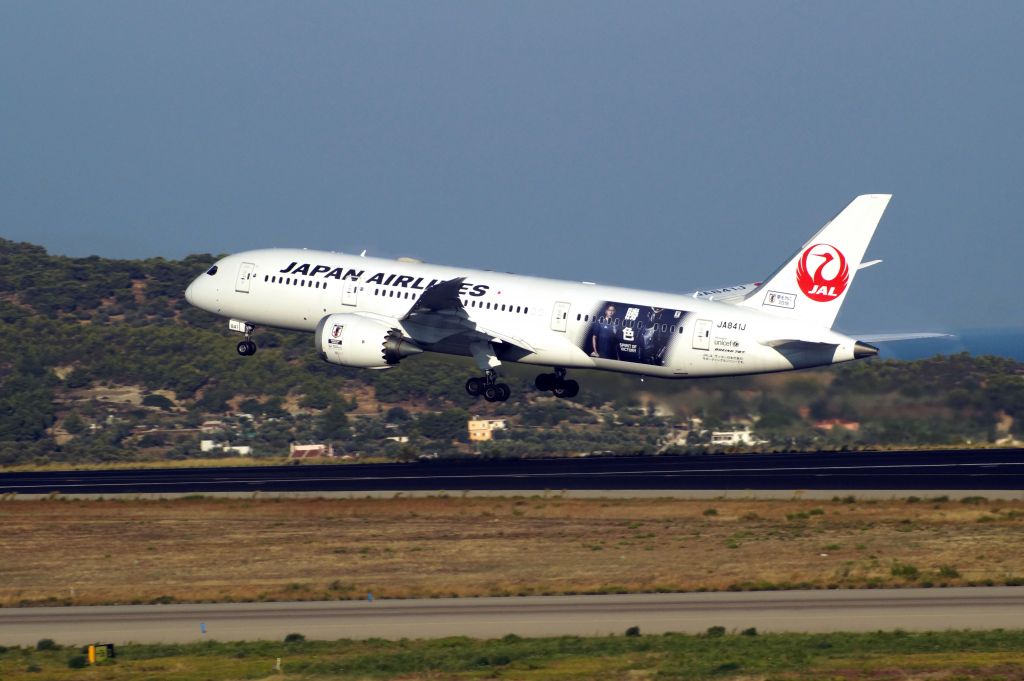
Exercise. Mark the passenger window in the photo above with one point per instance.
(526, 310)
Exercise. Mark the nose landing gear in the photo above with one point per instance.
(246, 347)
(557, 384)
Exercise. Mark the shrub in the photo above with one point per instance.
(633, 631)
(904, 570)
(710, 511)
(752, 631)
(294, 638)
(78, 662)
(46, 644)
(158, 401)
(716, 631)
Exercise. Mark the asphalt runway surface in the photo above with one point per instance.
(999, 469)
(800, 611)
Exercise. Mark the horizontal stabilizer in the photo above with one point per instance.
(889, 337)
(725, 294)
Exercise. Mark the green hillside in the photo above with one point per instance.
(103, 360)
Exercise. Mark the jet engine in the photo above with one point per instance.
(355, 341)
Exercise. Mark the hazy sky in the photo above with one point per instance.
(659, 145)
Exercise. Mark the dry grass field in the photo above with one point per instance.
(202, 549)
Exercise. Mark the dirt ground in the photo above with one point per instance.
(92, 552)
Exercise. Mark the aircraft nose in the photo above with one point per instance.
(189, 294)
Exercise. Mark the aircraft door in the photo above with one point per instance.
(560, 316)
(244, 275)
(350, 293)
(702, 334)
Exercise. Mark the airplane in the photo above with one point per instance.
(374, 312)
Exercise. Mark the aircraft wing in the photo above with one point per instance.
(439, 311)
(441, 297)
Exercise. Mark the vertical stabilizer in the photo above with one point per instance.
(812, 285)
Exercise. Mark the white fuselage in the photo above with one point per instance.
(537, 321)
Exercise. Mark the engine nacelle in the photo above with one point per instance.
(355, 341)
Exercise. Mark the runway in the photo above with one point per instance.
(1000, 469)
(800, 611)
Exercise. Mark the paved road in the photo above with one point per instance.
(936, 470)
(806, 611)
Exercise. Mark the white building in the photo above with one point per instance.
(207, 446)
(731, 438)
(309, 451)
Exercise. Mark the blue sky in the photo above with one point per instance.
(669, 146)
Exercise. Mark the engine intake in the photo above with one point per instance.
(355, 341)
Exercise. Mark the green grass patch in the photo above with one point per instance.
(714, 654)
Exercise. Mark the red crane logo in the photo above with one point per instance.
(831, 273)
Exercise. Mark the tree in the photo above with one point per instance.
(74, 423)
(158, 401)
(333, 424)
(446, 425)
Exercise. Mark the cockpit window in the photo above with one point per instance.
(212, 271)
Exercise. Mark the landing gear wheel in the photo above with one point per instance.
(246, 348)
(545, 382)
(567, 389)
(475, 386)
(492, 393)
(504, 391)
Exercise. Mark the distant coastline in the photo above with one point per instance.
(1003, 342)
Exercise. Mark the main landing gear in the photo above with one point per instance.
(557, 384)
(488, 386)
(246, 347)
